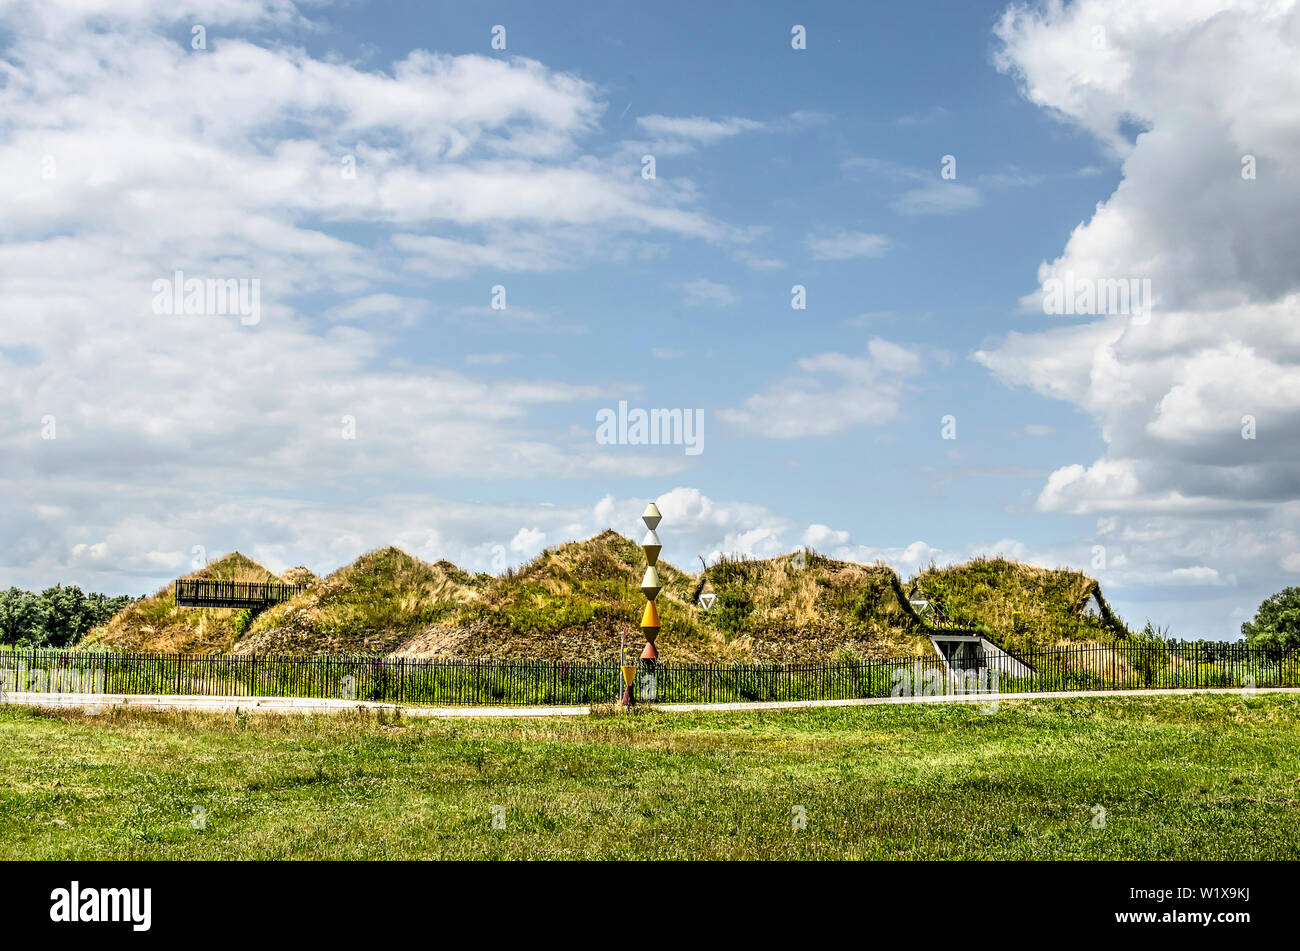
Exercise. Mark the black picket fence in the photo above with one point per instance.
(498, 682)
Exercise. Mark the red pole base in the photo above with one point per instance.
(627, 699)
(649, 653)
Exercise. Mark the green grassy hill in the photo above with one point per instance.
(575, 602)
(578, 600)
(1022, 607)
(807, 606)
(371, 606)
(157, 624)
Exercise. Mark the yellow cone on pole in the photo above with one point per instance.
(650, 617)
(650, 545)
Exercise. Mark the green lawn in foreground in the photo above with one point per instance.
(1214, 777)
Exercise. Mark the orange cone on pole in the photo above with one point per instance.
(650, 628)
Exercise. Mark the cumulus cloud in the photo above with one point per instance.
(129, 156)
(822, 537)
(1198, 403)
(527, 540)
(111, 547)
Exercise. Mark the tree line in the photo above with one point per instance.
(57, 617)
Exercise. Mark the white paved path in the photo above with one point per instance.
(102, 702)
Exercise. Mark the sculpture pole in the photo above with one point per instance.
(650, 587)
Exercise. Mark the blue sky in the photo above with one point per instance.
(478, 167)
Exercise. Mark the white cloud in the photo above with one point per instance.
(696, 128)
(112, 547)
(756, 261)
(914, 191)
(846, 245)
(1172, 393)
(705, 293)
(1197, 575)
(938, 197)
(404, 310)
(821, 537)
(711, 528)
(830, 392)
(462, 163)
(1209, 82)
(527, 540)
(680, 135)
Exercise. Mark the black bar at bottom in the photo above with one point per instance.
(1204, 902)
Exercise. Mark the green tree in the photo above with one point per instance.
(1276, 627)
(21, 617)
(57, 617)
(66, 616)
(100, 608)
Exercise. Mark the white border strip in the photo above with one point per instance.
(98, 702)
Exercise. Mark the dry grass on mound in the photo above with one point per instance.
(578, 600)
(156, 623)
(805, 606)
(373, 605)
(1022, 606)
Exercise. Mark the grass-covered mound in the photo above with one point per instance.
(373, 605)
(1022, 607)
(157, 624)
(573, 602)
(578, 600)
(807, 607)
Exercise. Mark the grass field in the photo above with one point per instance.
(1208, 777)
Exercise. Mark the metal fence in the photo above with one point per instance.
(203, 592)
(503, 682)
